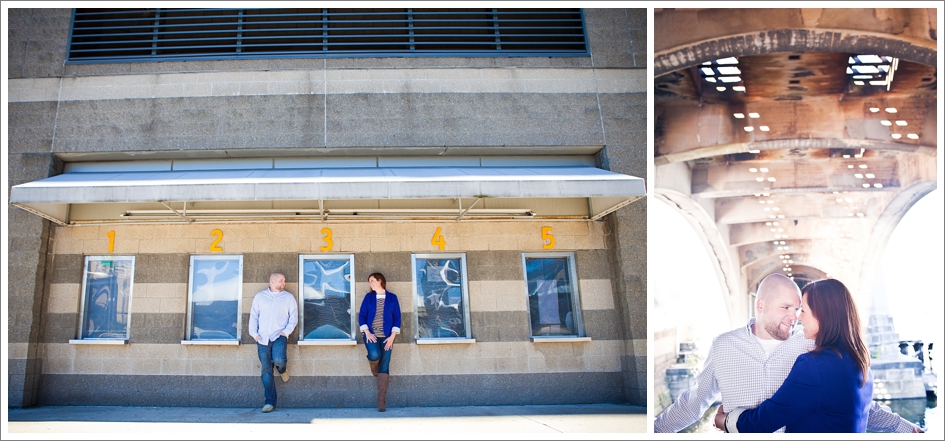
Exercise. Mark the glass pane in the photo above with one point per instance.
(326, 295)
(549, 296)
(107, 297)
(440, 298)
(215, 299)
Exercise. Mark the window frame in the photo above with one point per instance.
(83, 302)
(417, 301)
(190, 293)
(353, 298)
(576, 310)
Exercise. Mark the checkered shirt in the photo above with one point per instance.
(737, 369)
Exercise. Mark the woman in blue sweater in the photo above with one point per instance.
(830, 388)
(379, 319)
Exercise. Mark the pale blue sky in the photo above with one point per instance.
(913, 262)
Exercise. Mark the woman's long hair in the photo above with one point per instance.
(380, 278)
(839, 323)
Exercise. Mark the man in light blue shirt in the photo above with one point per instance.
(273, 317)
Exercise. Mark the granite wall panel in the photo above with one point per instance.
(332, 392)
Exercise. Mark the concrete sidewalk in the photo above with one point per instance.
(543, 421)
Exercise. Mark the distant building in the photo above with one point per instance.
(896, 375)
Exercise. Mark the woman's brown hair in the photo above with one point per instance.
(380, 278)
(839, 322)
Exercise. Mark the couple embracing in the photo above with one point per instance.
(773, 378)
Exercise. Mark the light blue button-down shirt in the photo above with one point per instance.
(273, 313)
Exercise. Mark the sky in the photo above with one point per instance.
(912, 264)
(672, 245)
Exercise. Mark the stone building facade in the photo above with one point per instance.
(84, 120)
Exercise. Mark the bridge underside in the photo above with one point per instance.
(795, 139)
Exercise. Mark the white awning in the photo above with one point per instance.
(560, 192)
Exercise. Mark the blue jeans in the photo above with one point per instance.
(375, 352)
(274, 353)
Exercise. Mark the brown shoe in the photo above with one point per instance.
(374, 366)
(382, 381)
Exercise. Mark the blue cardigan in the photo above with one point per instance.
(391, 312)
(821, 394)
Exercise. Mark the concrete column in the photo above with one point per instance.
(624, 125)
(38, 40)
(626, 238)
(29, 238)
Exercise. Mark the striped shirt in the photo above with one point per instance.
(379, 305)
(738, 370)
(378, 323)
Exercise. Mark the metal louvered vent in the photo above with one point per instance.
(132, 35)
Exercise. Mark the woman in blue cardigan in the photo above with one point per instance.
(830, 388)
(379, 319)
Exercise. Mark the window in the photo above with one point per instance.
(554, 308)
(101, 35)
(216, 287)
(325, 298)
(440, 297)
(106, 297)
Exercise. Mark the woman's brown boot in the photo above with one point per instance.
(382, 380)
(374, 366)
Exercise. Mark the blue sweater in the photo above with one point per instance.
(391, 312)
(821, 394)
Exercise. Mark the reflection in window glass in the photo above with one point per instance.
(440, 284)
(107, 295)
(215, 291)
(327, 286)
(551, 296)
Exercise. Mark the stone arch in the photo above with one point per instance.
(687, 38)
(802, 270)
(715, 246)
(792, 143)
(794, 40)
(882, 231)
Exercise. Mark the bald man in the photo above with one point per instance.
(747, 365)
(273, 316)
